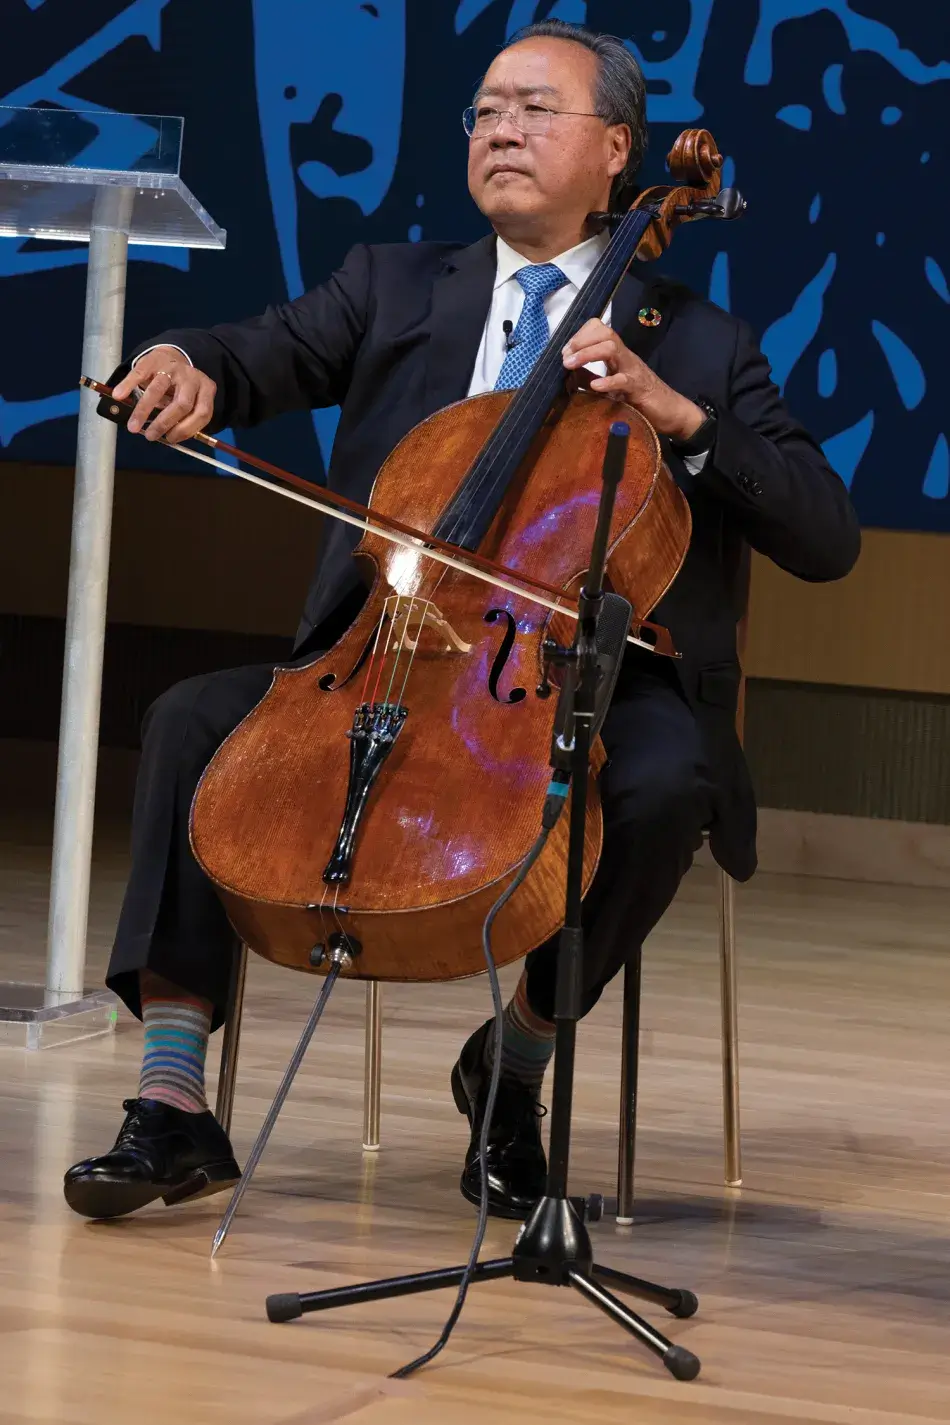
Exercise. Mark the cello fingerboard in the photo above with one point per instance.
(467, 519)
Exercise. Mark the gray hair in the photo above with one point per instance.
(621, 93)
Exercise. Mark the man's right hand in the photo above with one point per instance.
(183, 396)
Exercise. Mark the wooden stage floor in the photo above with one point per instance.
(824, 1283)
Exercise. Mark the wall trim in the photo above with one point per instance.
(851, 848)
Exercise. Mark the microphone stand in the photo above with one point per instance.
(554, 1247)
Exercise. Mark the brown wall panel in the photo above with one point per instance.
(886, 626)
(188, 551)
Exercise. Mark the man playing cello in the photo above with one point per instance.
(557, 131)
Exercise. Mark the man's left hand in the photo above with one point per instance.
(629, 379)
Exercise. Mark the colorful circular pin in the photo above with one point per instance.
(649, 317)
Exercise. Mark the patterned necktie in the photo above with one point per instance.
(532, 333)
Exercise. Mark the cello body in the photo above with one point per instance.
(379, 800)
(455, 802)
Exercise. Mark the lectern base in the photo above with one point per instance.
(29, 1021)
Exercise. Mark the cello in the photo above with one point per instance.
(382, 795)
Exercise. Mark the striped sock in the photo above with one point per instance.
(177, 1026)
(527, 1040)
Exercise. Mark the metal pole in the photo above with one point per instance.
(86, 606)
(231, 1041)
(372, 1067)
(730, 1031)
(629, 1073)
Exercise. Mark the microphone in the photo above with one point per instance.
(510, 341)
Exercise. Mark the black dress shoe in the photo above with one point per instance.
(517, 1167)
(161, 1151)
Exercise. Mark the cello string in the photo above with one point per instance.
(400, 644)
(518, 410)
(596, 294)
(389, 638)
(427, 604)
(372, 657)
(336, 913)
(596, 291)
(412, 655)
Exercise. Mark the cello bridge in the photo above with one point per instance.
(410, 617)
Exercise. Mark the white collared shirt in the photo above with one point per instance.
(508, 299)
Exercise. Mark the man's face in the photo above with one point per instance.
(520, 179)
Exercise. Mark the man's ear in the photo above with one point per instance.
(621, 141)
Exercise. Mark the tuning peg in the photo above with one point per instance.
(731, 203)
(727, 204)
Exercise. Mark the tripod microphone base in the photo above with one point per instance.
(553, 1248)
(552, 1244)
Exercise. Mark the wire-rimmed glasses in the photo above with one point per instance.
(480, 121)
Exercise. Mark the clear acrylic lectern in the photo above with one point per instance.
(109, 180)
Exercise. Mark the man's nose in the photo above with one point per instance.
(507, 134)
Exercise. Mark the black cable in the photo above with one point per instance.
(553, 805)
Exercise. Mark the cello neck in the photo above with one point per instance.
(468, 517)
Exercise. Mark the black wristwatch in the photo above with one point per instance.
(702, 439)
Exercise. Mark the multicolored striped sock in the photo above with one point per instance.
(177, 1026)
(527, 1040)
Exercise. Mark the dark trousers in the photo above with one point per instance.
(655, 797)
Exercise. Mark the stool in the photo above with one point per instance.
(630, 1057)
(729, 1005)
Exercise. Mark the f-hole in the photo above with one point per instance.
(501, 657)
(328, 682)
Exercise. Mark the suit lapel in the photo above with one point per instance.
(633, 294)
(461, 297)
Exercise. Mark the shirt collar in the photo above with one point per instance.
(577, 263)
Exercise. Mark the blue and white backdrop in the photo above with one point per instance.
(313, 124)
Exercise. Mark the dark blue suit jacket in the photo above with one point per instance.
(393, 336)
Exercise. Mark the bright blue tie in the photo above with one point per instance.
(532, 333)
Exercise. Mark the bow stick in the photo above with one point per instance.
(353, 513)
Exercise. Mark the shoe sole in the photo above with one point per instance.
(101, 1198)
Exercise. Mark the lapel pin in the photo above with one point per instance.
(649, 317)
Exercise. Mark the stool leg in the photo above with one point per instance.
(231, 1041)
(629, 1066)
(372, 1067)
(730, 1032)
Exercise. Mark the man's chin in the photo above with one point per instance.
(509, 207)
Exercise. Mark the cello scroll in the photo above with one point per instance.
(695, 166)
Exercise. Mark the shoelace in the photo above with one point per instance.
(134, 1123)
(505, 1124)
